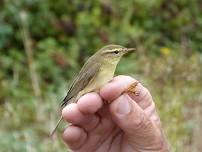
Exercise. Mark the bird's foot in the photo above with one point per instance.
(132, 88)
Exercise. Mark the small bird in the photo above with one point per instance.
(96, 72)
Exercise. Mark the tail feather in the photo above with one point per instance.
(66, 101)
(55, 128)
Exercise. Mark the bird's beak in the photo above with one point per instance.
(129, 50)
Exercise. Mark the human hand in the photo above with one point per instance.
(129, 123)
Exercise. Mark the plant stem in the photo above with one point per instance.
(27, 42)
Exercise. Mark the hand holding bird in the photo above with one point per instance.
(129, 123)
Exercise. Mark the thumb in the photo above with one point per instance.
(138, 128)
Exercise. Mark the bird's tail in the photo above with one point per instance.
(55, 128)
(67, 100)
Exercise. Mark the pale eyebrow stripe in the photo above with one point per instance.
(109, 51)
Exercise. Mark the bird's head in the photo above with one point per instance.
(113, 52)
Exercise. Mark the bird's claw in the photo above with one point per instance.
(132, 88)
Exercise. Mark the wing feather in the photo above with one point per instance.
(86, 74)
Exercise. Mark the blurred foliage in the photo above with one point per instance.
(44, 43)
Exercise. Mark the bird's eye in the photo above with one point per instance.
(116, 52)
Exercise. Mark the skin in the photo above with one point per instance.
(129, 123)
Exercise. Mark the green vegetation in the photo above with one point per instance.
(43, 44)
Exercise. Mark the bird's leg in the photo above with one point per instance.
(132, 88)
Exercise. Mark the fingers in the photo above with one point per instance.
(90, 103)
(74, 137)
(95, 136)
(116, 87)
(135, 114)
(82, 113)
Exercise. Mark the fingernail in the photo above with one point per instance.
(124, 107)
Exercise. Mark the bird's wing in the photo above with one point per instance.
(86, 74)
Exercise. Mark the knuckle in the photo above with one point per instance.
(103, 126)
(142, 122)
(150, 110)
(143, 94)
(146, 96)
(92, 123)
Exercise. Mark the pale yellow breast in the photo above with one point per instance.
(104, 75)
